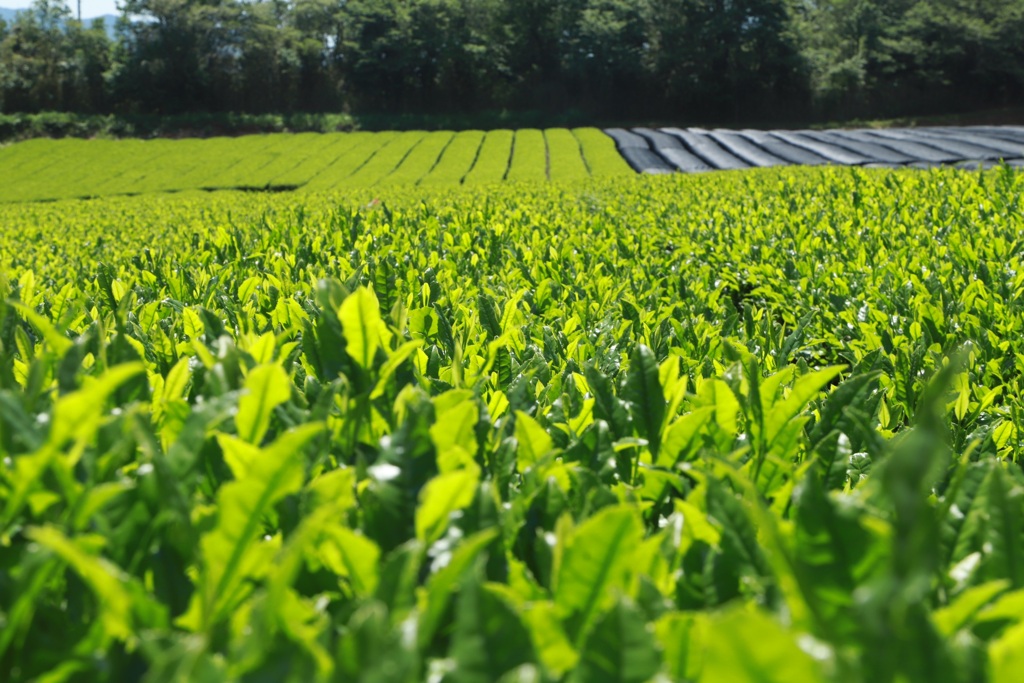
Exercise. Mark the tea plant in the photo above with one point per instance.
(456, 161)
(39, 170)
(740, 427)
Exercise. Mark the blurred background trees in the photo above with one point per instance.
(682, 60)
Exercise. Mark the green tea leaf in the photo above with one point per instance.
(57, 341)
(266, 387)
(680, 435)
(534, 442)
(360, 319)
(454, 436)
(644, 392)
(231, 551)
(488, 638)
(619, 648)
(682, 641)
(76, 416)
(1003, 543)
(746, 645)
(351, 556)
(442, 496)
(804, 389)
(596, 565)
(959, 613)
(549, 638)
(442, 584)
(117, 599)
(375, 649)
(387, 371)
(1006, 656)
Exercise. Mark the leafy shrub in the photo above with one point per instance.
(735, 427)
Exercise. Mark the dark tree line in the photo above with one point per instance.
(680, 59)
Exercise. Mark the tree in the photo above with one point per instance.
(50, 62)
(846, 48)
(319, 27)
(973, 49)
(725, 59)
(611, 56)
(681, 60)
(541, 35)
(91, 59)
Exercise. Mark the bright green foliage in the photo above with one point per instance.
(754, 426)
(211, 160)
(420, 161)
(620, 648)
(259, 169)
(748, 647)
(492, 162)
(456, 160)
(529, 156)
(64, 169)
(370, 170)
(330, 161)
(105, 159)
(566, 155)
(599, 153)
(596, 566)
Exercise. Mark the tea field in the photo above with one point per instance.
(749, 427)
(60, 169)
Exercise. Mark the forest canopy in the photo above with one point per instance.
(689, 60)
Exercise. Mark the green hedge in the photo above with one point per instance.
(61, 125)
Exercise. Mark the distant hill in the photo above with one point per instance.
(109, 20)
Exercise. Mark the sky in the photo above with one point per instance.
(90, 8)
